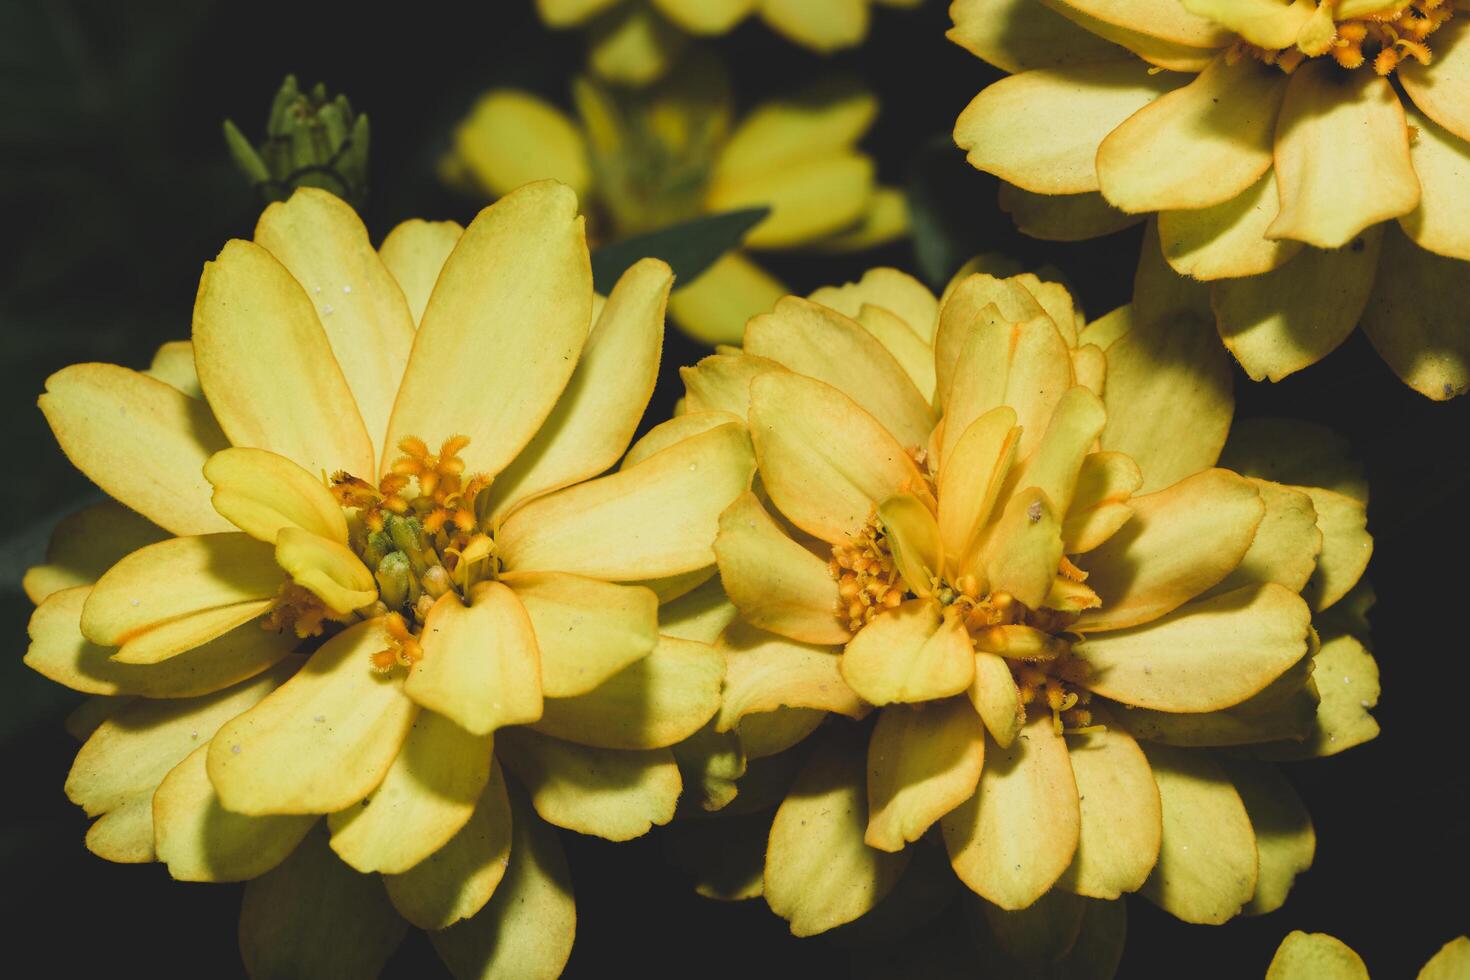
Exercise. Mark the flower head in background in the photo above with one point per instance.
(1318, 956)
(361, 565)
(1030, 552)
(644, 160)
(1305, 161)
(635, 42)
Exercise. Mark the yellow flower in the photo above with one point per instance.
(1274, 142)
(1318, 956)
(437, 622)
(634, 42)
(645, 160)
(1032, 552)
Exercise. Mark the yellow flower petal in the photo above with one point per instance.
(121, 764)
(661, 699)
(1451, 962)
(481, 664)
(819, 873)
(1020, 552)
(1181, 541)
(140, 440)
(1011, 841)
(675, 430)
(1063, 217)
(287, 912)
(897, 292)
(586, 630)
(1197, 146)
(1061, 935)
(1159, 293)
(818, 342)
(511, 138)
(721, 383)
(174, 578)
(86, 544)
(1434, 87)
(1280, 322)
(424, 799)
(1166, 19)
(776, 134)
(777, 584)
(909, 654)
(923, 761)
(1270, 24)
(1290, 451)
(173, 364)
(1227, 241)
(1285, 840)
(567, 13)
(1021, 364)
(61, 653)
(1056, 463)
(1286, 544)
(899, 339)
(322, 741)
(1413, 318)
(1203, 656)
(1340, 131)
(260, 493)
(1347, 677)
(825, 462)
(1315, 956)
(1040, 130)
(1121, 820)
(1346, 547)
(525, 931)
(808, 198)
(1142, 41)
(913, 538)
(1207, 862)
(772, 732)
(414, 253)
(1442, 164)
(267, 366)
(597, 414)
(884, 220)
(996, 698)
(189, 632)
(764, 672)
(522, 260)
(200, 840)
(701, 614)
(608, 793)
(707, 16)
(331, 571)
(457, 880)
(1017, 35)
(822, 25)
(713, 307)
(1100, 503)
(655, 519)
(322, 242)
(632, 45)
(972, 476)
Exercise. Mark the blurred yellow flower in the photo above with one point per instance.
(634, 42)
(1012, 535)
(1274, 141)
(644, 160)
(307, 611)
(1318, 956)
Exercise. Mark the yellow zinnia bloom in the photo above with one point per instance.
(1318, 956)
(1033, 553)
(634, 42)
(1275, 143)
(642, 161)
(296, 608)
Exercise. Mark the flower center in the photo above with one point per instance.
(1381, 39)
(422, 533)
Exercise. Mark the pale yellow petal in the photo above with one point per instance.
(813, 124)
(1315, 956)
(776, 583)
(972, 476)
(1180, 542)
(996, 698)
(1161, 295)
(819, 873)
(701, 614)
(1020, 552)
(1438, 87)
(142, 441)
(923, 761)
(909, 654)
(1040, 130)
(173, 364)
(1166, 19)
(764, 672)
(1016, 35)
(632, 45)
(721, 383)
(908, 349)
(1136, 32)
(1063, 217)
(1227, 241)
(608, 793)
(661, 699)
(1287, 542)
(481, 664)
(1442, 164)
(1285, 840)
(1270, 24)
(1014, 838)
(1346, 676)
(267, 366)
(674, 430)
(1297, 453)
(885, 219)
(1021, 364)
(189, 632)
(713, 307)
(320, 742)
(655, 519)
(822, 25)
(86, 544)
(1413, 318)
(414, 253)
(510, 138)
(1056, 463)
(1346, 547)
(1340, 131)
(1452, 962)
(1121, 820)
(260, 493)
(327, 569)
(707, 16)
(323, 244)
(808, 198)
(523, 260)
(897, 292)
(567, 13)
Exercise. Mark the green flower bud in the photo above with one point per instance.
(311, 141)
(395, 580)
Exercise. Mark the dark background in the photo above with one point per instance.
(114, 190)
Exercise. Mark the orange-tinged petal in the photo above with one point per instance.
(260, 493)
(267, 367)
(923, 761)
(1024, 365)
(188, 632)
(899, 339)
(475, 369)
(908, 654)
(142, 441)
(973, 303)
(972, 476)
(1100, 502)
(675, 430)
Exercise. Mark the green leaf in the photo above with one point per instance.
(689, 247)
(945, 236)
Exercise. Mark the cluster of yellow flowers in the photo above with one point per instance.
(913, 594)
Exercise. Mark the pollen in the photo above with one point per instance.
(867, 577)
